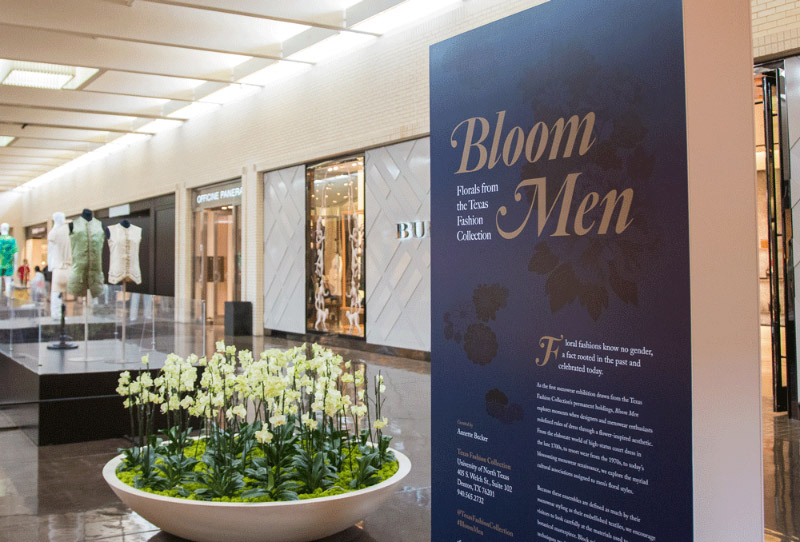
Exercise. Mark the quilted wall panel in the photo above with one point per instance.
(398, 273)
(284, 250)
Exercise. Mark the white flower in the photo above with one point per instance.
(220, 346)
(359, 411)
(187, 402)
(240, 411)
(309, 422)
(381, 423)
(146, 380)
(146, 359)
(277, 420)
(264, 436)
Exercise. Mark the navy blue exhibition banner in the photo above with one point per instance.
(561, 385)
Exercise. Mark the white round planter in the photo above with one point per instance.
(289, 521)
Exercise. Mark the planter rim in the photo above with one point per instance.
(110, 475)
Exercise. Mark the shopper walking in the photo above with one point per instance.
(38, 287)
(24, 273)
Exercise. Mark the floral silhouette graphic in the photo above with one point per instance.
(497, 406)
(593, 270)
(466, 324)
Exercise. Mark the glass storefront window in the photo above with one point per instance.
(217, 249)
(335, 281)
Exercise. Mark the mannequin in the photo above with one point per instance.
(59, 261)
(87, 215)
(123, 244)
(86, 239)
(8, 257)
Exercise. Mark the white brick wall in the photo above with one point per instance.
(373, 96)
(776, 27)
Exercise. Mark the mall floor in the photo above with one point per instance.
(56, 493)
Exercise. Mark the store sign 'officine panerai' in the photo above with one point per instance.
(218, 195)
(560, 339)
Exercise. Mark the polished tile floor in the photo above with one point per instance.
(56, 493)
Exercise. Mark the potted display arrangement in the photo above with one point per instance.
(290, 445)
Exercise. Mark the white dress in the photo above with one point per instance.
(123, 245)
(59, 256)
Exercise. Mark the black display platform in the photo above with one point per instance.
(58, 397)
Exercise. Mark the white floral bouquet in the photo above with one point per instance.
(280, 427)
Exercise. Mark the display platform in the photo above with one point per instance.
(68, 395)
(62, 396)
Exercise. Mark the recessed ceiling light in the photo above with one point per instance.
(36, 79)
(404, 13)
(46, 76)
(6, 140)
(159, 125)
(336, 45)
(230, 93)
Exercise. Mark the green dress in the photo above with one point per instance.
(8, 247)
(86, 239)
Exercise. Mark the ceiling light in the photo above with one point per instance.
(194, 110)
(231, 93)
(277, 71)
(336, 45)
(40, 75)
(403, 14)
(159, 125)
(36, 79)
(121, 142)
(6, 140)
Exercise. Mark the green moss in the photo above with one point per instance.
(196, 450)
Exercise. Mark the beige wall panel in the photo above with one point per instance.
(726, 395)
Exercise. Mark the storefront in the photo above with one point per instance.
(217, 246)
(35, 246)
(347, 247)
(156, 217)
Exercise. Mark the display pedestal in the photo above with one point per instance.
(62, 343)
(124, 318)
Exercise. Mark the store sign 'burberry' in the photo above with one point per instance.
(413, 230)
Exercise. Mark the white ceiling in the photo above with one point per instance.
(155, 57)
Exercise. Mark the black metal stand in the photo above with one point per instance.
(62, 343)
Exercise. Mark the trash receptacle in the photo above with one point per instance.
(238, 318)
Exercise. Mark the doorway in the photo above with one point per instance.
(776, 276)
(217, 258)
